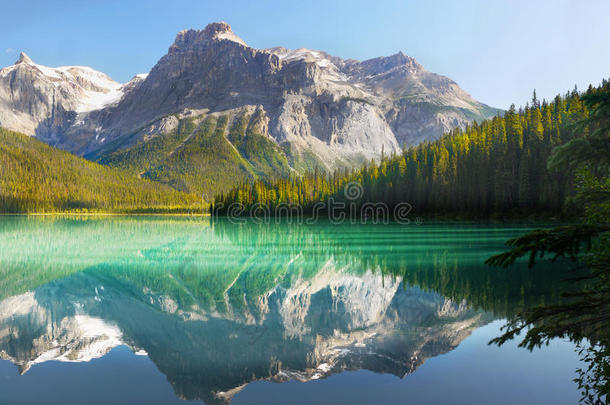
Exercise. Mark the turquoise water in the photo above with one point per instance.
(169, 310)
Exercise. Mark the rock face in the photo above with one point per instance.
(337, 112)
(42, 101)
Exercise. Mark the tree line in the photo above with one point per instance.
(35, 177)
(490, 169)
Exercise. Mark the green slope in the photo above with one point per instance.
(205, 158)
(267, 158)
(147, 155)
(35, 177)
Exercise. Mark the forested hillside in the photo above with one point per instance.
(494, 168)
(35, 177)
(205, 154)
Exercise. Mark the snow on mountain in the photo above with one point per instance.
(94, 89)
(99, 90)
(36, 99)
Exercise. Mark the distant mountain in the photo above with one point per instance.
(38, 100)
(35, 177)
(316, 109)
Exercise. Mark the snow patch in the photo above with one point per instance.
(94, 90)
(308, 55)
(230, 36)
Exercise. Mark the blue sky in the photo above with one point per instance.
(498, 51)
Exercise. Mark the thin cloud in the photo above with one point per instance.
(10, 50)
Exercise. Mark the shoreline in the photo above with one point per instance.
(424, 219)
(101, 214)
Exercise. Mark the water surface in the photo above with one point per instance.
(168, 310)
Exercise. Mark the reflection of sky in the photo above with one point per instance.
(120, 377)
(472, 373)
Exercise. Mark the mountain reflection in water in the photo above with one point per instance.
(217, 306)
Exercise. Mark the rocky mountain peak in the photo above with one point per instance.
(198, 39)
(386, 63)
(24, 58)
(400, 58)
(215, 28)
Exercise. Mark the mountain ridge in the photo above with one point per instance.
(319, 110)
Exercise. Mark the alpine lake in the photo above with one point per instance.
(162, 310)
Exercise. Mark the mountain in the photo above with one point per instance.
(303, 109)
(39, 100)
(35, 177)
